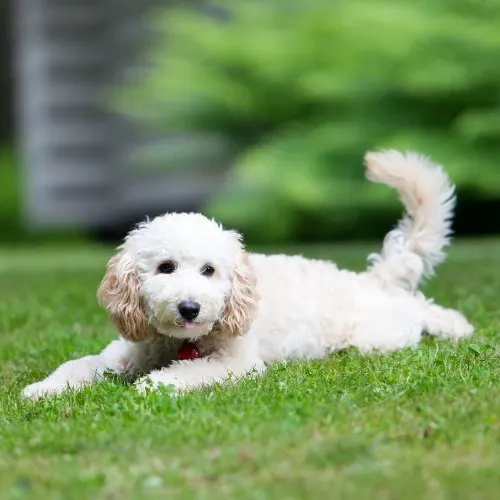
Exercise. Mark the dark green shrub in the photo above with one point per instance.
(300, 89)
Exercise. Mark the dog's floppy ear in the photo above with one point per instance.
(242, 302)
(119, 293)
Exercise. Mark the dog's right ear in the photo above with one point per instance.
(119, 294)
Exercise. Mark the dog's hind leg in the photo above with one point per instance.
(446, 323)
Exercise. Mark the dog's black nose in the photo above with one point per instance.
(189, 309)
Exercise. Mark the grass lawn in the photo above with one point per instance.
(416, 424)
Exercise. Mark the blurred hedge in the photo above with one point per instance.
(14, 229)
(10, 202)
(300, 89)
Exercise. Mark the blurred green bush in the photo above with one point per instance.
(9, 195)
(300, 89)
(14, 230)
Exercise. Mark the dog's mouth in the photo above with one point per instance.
(184, 329)
(176, 326)
(185, 323)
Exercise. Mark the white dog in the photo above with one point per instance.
(182, 278)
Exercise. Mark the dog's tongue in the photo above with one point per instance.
(188, 325)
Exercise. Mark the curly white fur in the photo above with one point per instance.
(256, 309)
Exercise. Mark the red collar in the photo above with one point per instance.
(188, 351)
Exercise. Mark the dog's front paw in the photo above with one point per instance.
(42, 389)
(159, 380)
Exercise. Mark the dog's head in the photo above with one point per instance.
(179, 275)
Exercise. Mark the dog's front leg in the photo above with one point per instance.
(189, 375)
(119, 356)
(238, 360)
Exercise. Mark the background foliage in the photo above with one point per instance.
(298, 90)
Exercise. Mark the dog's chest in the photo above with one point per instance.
(165, 350)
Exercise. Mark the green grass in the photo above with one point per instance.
(416, 424)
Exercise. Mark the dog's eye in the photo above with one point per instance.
(207, 271)
(167, 267)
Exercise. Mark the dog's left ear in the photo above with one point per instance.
(242, 302)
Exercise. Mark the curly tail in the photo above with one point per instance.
(412, 250)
